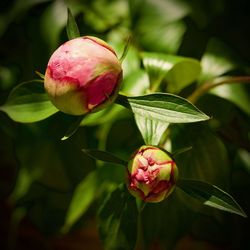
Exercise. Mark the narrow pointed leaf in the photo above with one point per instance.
(72, 28)
(125, 50)
(104, 156)
(28, 102)
(163, 107)
(73, 128)
(42, 76)
(151, 130)
(210, 195)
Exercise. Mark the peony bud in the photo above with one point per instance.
(83, 75)
(152, 174)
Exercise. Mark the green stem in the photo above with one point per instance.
(140, 237)
(139, 242)
(204, 88)
(155, 87)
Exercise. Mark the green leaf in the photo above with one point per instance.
(171, 36)
(176, 70)
(28, 102)
(156, 66)
(89, 189)
(102, 16)
(217, 60)
(207, 160)
(83, 196)
(118, 221)
(104, 156)
(39, 163)
(136, 83)
(163, 107)
(159, 11)
(73, 128)
(166, 16)
(211, 195)
(103, 116)
(164, 221)
(235, 93)
(151, 130)
(72, 29)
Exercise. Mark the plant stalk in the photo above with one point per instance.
(140, 240)
(140, 237)
(204, 88)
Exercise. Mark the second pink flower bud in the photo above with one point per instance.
(152, 174)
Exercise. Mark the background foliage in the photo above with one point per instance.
(52, 191)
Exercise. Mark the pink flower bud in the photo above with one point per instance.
(83, 75)
(152, 174)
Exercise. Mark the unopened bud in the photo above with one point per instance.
(83, 75)
(152, 174)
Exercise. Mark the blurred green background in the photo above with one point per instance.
(39, 173)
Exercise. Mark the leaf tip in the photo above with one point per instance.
(69, 13)
(71, 27)
(42, 76)
(64, 138)
(243, 214)
(206, 117)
